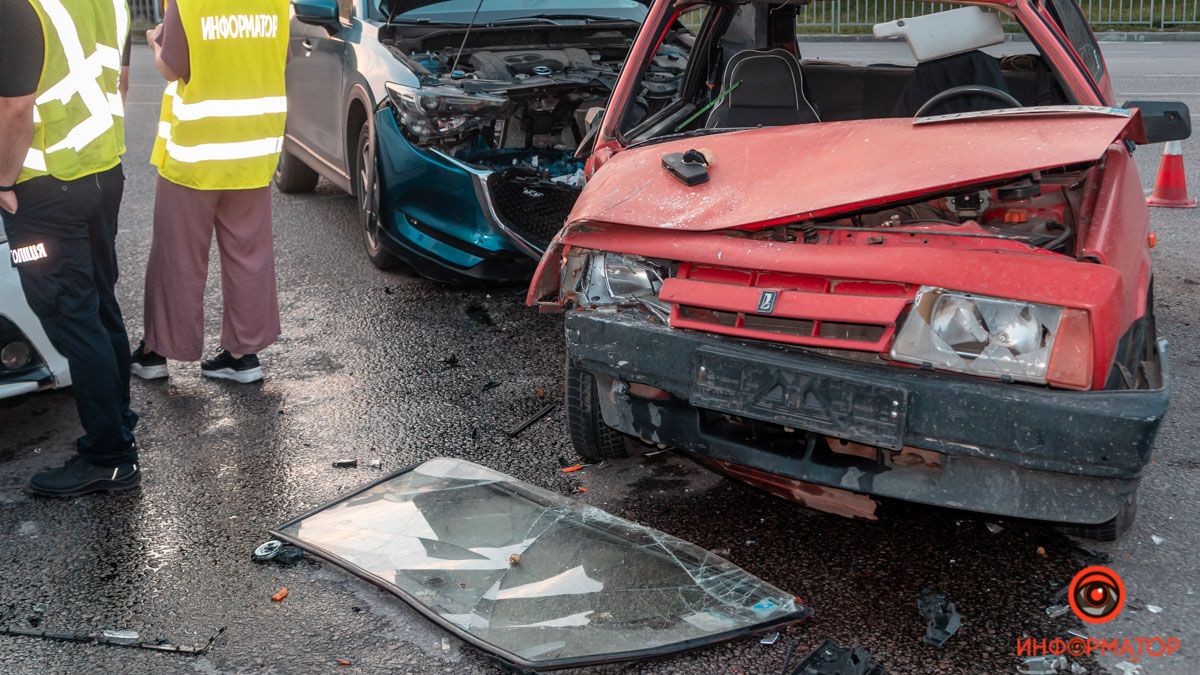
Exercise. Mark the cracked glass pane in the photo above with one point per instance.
(533, 577)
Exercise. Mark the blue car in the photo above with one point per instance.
(458, 125)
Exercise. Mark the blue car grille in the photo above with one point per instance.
(533, 207)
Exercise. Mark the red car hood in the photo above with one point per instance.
(767, 176)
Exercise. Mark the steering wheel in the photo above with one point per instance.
(967, 90)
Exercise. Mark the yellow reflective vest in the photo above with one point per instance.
(223, 128)
(78, 119)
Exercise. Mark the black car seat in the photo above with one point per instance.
(771, 92)
(933, 77)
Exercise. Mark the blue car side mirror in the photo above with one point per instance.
(316, 12)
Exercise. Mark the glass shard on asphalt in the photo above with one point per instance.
(531, 576)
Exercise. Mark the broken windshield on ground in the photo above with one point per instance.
(539, 580)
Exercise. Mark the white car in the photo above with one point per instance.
(28, 362)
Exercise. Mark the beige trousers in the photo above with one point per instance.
(184, 222)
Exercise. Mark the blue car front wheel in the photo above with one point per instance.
(366, 190)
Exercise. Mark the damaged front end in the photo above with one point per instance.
(502, 116)
(973, 346)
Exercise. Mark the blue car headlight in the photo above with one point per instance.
(438, 112)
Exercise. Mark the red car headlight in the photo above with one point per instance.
(979, 335)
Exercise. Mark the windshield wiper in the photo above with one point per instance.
(423, 22)
(706, 131)
(555, 18)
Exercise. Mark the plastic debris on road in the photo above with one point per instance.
(944, 620)
(35, 619)
(1055, 611)
(267, 550)
(833, 659)
(1049, 665)
(345, 464)
(1156, 539)
(274, 550)
(280, 595)
(122, 637)
(289, 555)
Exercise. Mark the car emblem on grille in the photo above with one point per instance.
(766, 302)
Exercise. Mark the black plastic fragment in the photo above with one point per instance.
(944, 620)
(345, 464)
(289, 555)
(516, 431)
(833, 659)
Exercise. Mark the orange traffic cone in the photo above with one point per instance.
(1170, 188)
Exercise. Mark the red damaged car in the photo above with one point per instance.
(926, 281)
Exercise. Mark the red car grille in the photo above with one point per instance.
(838, 314)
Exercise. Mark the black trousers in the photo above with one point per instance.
(63, 244)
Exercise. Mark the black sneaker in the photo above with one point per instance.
(79, 477)
(224, 367)
(148, 365)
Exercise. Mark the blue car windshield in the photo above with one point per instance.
(514, 11)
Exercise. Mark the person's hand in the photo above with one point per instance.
(152, 36)
(8, 201)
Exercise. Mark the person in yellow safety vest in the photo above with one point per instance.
(219, 138)
(63, 74)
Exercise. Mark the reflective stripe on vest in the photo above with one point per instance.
(77, 118)
(223, 128)
(191, 154)
(190, 112)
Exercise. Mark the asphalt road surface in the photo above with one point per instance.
(364, 371)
